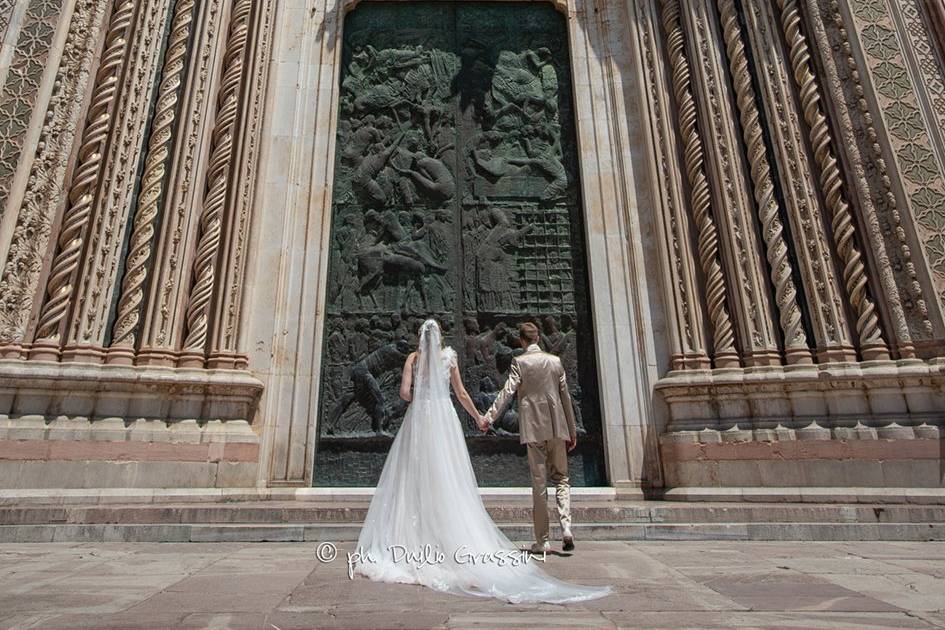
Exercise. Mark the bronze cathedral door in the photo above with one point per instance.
(456, 196)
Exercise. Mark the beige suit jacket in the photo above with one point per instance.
(544, 402)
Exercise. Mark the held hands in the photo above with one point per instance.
(483, 423)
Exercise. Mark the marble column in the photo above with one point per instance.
(795, 171)
(769, 211)
(147, 215)
(75, 227)
(85, 271)
(226, 349)
(684, 298)
(900, 300)
(872, 343)
(218, 186)
(727, 168)
(700, 204)
(160, 333)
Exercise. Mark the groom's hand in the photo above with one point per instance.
(572, 444)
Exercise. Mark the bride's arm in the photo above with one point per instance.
(406, 379)
(462, 395)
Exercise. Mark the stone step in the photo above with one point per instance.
(157, 496)
(93, 496)
(345, 534)
(340, 522)
(611, 512)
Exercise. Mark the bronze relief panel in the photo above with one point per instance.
(456, 196)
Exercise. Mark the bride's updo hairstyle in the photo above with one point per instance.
(431, 326)
(432, 373)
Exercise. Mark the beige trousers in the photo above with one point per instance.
(549, 458)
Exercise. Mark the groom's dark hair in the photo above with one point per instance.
(528, 332)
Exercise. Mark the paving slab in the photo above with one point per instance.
(754, 619)
(915, 591)
(669, 584)
(793, 591)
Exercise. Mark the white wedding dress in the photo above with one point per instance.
(427, 524)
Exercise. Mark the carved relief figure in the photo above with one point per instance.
(495, 263)
(430, 174)
(364, 386)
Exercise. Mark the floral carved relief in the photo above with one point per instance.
(19, 94)
(898, 54)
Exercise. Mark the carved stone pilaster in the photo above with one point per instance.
(926, 68)
(20, 284)
(891, 254)
(98, 270)
(782, 274)
(723, 336)
(225, 351)
(727, 169)
(153, 181)
(161, 330)
(218, 188)
(60, 286)
(29, 59)
(24, 84)
(798, 185)
(870, 336)
(892, 44)
(900, 96)
(687, 325)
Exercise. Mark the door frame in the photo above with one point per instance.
(290, 259)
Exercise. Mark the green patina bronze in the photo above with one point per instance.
(456, 196)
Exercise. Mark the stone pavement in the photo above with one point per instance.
(659, 585)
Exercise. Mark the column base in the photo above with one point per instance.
(83, 354)
(191, 360)
(45, 351)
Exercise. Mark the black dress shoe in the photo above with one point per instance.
(568, 543)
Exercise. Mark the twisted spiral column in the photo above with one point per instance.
(218, 179)
(725, 354)
(75, 222)
(872, 344)
(153, 179)
(795, 339)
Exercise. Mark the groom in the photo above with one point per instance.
(546, 426)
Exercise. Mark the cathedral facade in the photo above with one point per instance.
(221, 223)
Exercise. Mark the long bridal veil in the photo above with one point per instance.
(427, 524)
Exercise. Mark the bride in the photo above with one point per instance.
(426, 523)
